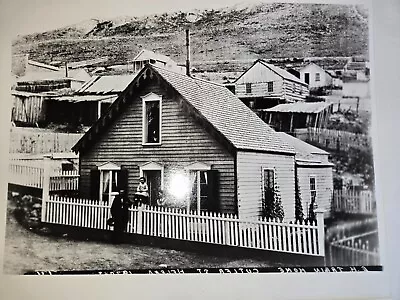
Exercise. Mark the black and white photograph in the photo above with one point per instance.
(206, 138)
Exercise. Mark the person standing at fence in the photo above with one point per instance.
(120, 216)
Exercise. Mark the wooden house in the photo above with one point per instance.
(287, 117)
(315, 76)
(314, 175)
(175, 130)
(264, 85)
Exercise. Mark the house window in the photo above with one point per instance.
(199, 195)
(313, 189)
(109, 181)
(313, 198)
(203, 194)
(317, 77)
(152, 119)
(270, 87)
(248, 88)
(268, 179)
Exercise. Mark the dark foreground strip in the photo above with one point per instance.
(244, 270)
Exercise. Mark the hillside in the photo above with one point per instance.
(234, 33)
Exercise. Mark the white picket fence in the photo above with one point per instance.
(354, 250)
(64, 181)
(206, 227)
(26, 173)
(354, 202)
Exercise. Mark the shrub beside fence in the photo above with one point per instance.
(223, 229)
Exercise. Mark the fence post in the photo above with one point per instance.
(139, 229)
(319, 215)
(45, 185)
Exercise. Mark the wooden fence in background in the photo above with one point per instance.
(331, 139)
(354, 202)
(216, 228)
(35, 141)
(354, 251)
(31, 174)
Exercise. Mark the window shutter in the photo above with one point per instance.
(94, 184)
(213, 201)
(123, 180)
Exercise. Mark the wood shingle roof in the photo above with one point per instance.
(218, 107)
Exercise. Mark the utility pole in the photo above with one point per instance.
(187, 51)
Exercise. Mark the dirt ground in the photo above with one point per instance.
(28, 251)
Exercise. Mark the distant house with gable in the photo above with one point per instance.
(264, 85)
(156, 59)
(315, 76)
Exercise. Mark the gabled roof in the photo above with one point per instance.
(106, 84)
(300, 107)
(215, 104)
(321, 68)
(280, 72)
(145, 54)
(306, 154)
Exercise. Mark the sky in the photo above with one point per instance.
(28, 16)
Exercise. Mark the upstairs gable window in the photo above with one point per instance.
(151, 119)
(317, 77)
(248, 88)
(270, 87)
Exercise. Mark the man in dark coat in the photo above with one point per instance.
(120, 216)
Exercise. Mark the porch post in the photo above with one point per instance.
(99, 109)
(139, 228)
(45, 185)
(319, 215)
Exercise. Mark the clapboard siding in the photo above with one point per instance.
(294, 91)
(259, 75)
(324, 185)
(249, 180)
(313, 69)
(183, 142)
(260, 90)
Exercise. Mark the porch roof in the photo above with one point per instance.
(300, 107)
(306, 154)
(106, 84)
(85, 98)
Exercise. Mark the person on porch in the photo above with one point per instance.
(142, 192)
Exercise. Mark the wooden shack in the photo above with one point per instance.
(264, 85)
(287, 117)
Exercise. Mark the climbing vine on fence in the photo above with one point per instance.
(272, 203)
(298, 206)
